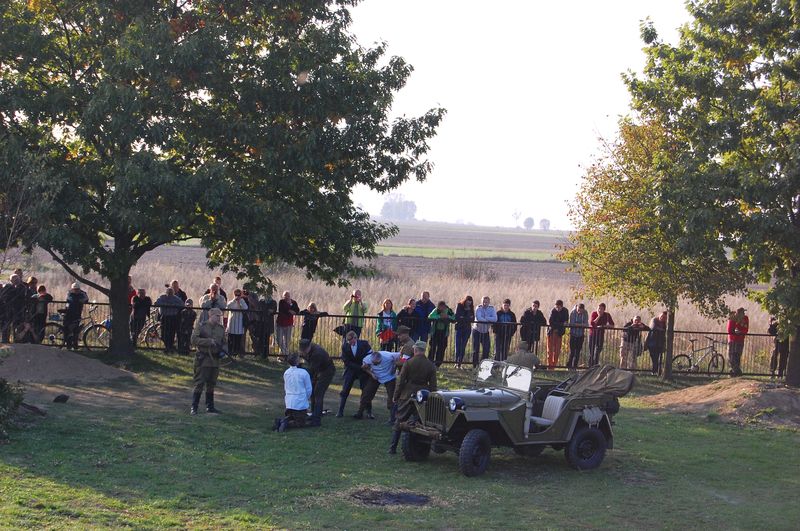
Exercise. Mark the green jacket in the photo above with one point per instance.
(441, 322)
(355, 312)
(210, 341)
(381, 326)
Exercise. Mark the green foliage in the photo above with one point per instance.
(727, 97)
(626, 242)
(10, 399)
(245, 124)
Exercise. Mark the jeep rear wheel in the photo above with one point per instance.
(415, 447)
(476, 448)
(586, 449)
(529, 451)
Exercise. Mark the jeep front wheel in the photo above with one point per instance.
(586, 449)
(415, 447)
(476, 448)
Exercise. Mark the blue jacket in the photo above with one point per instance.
(423, 310)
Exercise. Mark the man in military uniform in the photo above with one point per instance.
(321, 369)
(418, 373)
(209, 338)
(405, 343)
(524, 358)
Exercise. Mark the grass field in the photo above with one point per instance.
(134, 458)
(466, 252)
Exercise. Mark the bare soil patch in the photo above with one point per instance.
(39, 364)
(738, 400)
(384, 498)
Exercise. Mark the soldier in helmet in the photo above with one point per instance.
(417, 373)
(209, 338)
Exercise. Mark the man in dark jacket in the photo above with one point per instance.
(13, 299)
(422, 310)
(169, 306)
(141, 309)
(354, 351)
(76, 298)
(320, 367)
(559, 317)
(531, 324)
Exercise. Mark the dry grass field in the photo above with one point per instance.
(401, 277)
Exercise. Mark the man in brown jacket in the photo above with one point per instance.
(417, 373)
(209, 338)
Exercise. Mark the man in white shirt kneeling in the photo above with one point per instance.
(297, 385)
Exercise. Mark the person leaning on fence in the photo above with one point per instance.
(354, 310)
(298, 389)
(578, 322)
(631, 345)
(780, 349)
(738, 326)
(559, 317)
(504, 330)
(386, 326)
(407, 317)
(209, 338)
(40, 312)
(656, 341)
(418, 373)
(531, 324)
(485, 316)
(186, 321)
(440, 319)
(465, 314)
(311, 317)
(354, 351)
(140, 310)
(321, 369)
(598, 322)
(212, 299)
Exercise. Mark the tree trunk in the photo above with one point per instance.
(120, 316)
(667, 368)
(793, 364)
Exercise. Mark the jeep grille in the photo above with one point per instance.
(435, 411)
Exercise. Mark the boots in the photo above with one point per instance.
(395, 440)
(359, 414)
(369, 414)
(342, 402)
(210, 402)
(195, 402)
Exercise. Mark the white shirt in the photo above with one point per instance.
(385, 370)
(297, 384)
(236, 319)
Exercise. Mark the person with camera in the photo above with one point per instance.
(212, 299)
(355, 309)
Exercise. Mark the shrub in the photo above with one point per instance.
(10, 399)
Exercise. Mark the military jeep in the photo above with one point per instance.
(508, 408)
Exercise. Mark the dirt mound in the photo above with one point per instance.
(737, 400)
(47, 365)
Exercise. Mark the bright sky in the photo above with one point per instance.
(528, 86)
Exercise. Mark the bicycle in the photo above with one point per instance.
(151, 332)
(686, 363)
(94, 334)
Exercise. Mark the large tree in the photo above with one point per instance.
(626, 243)
(727, 96)
(245, 124)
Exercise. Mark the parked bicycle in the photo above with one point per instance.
(151, 332)
(692, 361)
(94, 334)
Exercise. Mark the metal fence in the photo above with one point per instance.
(755, 359)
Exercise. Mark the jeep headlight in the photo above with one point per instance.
(422, 395)
(456, 404)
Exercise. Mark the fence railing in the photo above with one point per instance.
(755, 358)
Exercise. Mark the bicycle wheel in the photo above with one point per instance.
(152, 337)
(717, 364)
(53, 335)
(682, 363)
(97, 337)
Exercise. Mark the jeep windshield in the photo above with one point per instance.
(501, 374)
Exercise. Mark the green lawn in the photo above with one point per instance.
(100, 465)
(448, 252)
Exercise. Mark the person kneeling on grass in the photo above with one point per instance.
(297, 385)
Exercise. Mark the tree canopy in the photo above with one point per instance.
(398, 208)
(245, 124)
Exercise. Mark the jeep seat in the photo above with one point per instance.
(552, 408)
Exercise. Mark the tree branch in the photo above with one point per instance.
(98, 287)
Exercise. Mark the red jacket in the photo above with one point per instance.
(737, 331)
(595, 323)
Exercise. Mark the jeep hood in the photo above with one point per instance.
(489, 397)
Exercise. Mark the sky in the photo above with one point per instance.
(529, 87)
